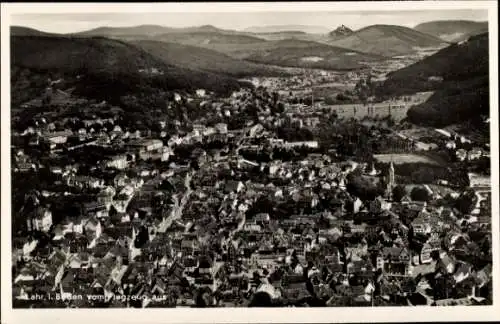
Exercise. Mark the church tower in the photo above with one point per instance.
(391, 182)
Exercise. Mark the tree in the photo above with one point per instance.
(366, 188)
(465, 202)
(398, 193)
(423, 175)
(420, 194)
(342, 97)
(280, 108)
(486, 246)
(261, 299)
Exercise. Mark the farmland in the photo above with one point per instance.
(405, 158)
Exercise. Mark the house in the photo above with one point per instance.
(163, 154)
(363, 293)
(119, 162)
(466, 287)
(379, 204)
(201, 93)
(189, 245)
(206, 265)
(421, 225)
(445, 264)
(56, 265)
(221, 128)
(56, 170)
(40, 220)
(406, 200)
(479, 181)
(359, 266)
(448, 214)
(85, 182)
(484, 276)
(474, 154)
(105, 196)
(57, 137)
(72, 225)
(204, 131)
(34, 141)
(429, 247)
(249, 227)
(484, 221)
(93, 229)
(357, 204)
(308, 144)
(394, 261)
(121, 202)
(146, 170)
(451, 145)
(145, 145)
(462, 272)
(233, 186)
(95, 208)
(461, 154)
(121, 180)
(270, 290)
(24, 167)
(358, 228)
(28, 247)
(293, 287)
(189, 263)
(28, 131)
(261, 218)
(134, 135)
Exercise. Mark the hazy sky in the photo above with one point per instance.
(66, 23)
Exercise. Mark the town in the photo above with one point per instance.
(270, 196)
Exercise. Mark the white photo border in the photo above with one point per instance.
(243, 315)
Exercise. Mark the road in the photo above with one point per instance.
(179, 205)
(418, 144)
(237, 229)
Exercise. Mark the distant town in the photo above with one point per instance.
(280, 193)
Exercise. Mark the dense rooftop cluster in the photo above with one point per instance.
(257, 201)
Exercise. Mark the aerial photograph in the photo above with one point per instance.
(250, 159)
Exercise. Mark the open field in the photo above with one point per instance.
(404, 158)
(418, 132)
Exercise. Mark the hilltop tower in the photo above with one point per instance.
(391, 182)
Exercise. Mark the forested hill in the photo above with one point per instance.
(459, 75)
(203, 59)
(386, 40)
(453, 30)
(117, 66)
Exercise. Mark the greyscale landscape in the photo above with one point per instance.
(267, 166)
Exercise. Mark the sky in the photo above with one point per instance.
(75, 22)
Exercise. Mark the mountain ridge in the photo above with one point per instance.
(28, 31)
(453, 30)
(387, 40)
(152, 30)
(283, 28)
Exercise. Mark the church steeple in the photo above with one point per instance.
(391, 182)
